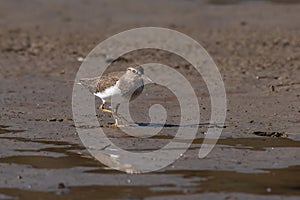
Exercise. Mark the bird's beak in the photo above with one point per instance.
(147, 79)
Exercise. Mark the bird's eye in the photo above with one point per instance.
(134, 71)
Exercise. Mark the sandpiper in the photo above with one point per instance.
(122, 86)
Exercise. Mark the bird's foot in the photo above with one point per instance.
(118, 125)
(124, 124)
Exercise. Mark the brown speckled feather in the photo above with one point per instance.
(108, 80)
(99, 84)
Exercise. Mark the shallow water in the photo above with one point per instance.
(281, 181)
(274, 182)
(90, 192)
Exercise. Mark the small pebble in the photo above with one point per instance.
(80, 59)
(243, 23)
(272, 87)
(61, 185)
(51, 119)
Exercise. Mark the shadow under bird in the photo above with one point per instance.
(120, 86)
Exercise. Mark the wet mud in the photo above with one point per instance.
(255, 45)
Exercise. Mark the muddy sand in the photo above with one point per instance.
(256, 46)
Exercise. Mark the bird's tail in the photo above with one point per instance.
(89, 83)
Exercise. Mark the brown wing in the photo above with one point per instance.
(99, 84)
(108, 80)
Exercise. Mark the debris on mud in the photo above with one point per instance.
(271, 134)
(61, 185)
(55, 119)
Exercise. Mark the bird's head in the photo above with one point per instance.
(138, 71)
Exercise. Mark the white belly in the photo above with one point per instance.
(112, 91)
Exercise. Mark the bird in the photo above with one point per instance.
(122, 86)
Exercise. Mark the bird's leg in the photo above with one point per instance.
(116, 116)
(116, 124)
(105, 110)
(116, 109)
(119, 118)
